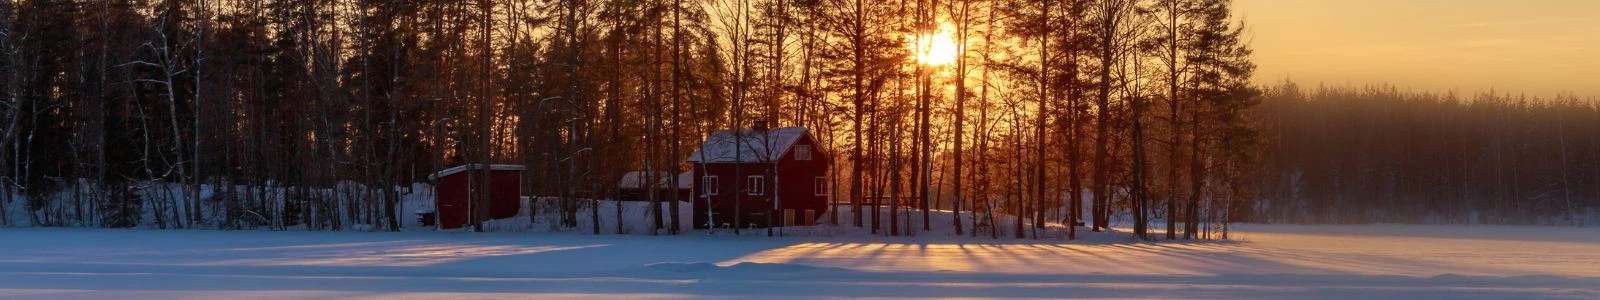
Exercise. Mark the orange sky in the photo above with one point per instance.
(1538, 47)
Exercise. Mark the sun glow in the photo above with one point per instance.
(936, 48)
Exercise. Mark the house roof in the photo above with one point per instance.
(632, 180)
(747, 145)
(463, 168)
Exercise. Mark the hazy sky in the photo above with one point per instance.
(1537, 47)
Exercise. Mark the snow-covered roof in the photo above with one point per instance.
(462, 168)
(747, 145)
(631, 180)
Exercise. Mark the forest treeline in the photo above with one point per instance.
(246, 113)
(1383, 154)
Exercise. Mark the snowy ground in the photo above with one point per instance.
(1387, 261)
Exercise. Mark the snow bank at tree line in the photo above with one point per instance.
(14, 211)
(636, 216)
(415, 199)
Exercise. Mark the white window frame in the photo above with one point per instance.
(819, 186)
(711, 184)
(755, 185)
(802, 152)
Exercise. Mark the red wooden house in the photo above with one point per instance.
(747, 177)
(452, 193)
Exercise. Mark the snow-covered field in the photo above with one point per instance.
(1388, 261)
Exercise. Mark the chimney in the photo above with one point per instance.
(759, 126)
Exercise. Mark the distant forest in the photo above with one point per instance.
(1381, 154)
(241, 114)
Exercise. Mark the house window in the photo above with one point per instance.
(820, 186)
(711, 184)
(802, 152)
(756, 185)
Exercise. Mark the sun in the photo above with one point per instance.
(936, 48)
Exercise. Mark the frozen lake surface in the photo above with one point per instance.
(1382, 261)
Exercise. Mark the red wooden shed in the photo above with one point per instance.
(748, 176)
(452, 194)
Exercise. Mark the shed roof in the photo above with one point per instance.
(747, 145)
(463, 168)
(632, 180)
